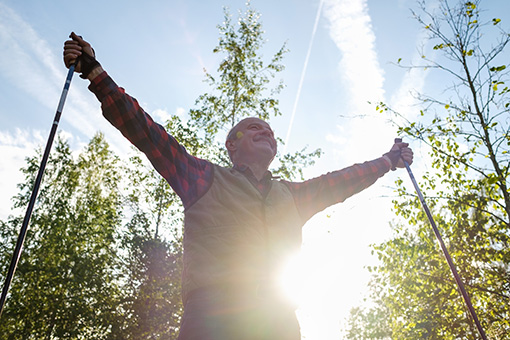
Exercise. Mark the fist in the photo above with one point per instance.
(74, 48)
(406, 154)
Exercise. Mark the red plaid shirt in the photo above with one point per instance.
(191, 177)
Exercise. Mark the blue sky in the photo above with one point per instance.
(157, 51)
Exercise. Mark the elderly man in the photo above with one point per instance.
(240, 223)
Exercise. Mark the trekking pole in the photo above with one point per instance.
(445, 251)
(35, 190)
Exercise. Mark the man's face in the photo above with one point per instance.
(254, 140)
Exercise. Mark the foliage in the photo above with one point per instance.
(152, 262)
(151, 296)
(65, 284)
(243, 77)
(466, 129)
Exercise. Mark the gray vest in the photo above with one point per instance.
(235, 237)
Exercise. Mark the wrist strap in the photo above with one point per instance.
(394, 157)
(88, 63)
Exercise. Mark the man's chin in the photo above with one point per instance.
(266, 154)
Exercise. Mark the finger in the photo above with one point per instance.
(408, 151)
(86, 47)
(77, 38)
(71, 43)
(72, 50)
(407, 155)
(399, 146)
(71, 54)
(69, 60)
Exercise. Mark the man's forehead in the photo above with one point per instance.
(252, 120)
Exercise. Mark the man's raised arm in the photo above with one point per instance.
(183, 172)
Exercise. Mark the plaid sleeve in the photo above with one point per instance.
(187, 175)
(319, 193)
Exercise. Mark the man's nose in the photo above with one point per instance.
(268, 132)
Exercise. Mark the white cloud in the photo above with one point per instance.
(180, 111)
(162, 115)
(28, 63)
(338, 139)
(351, 30)
(14, 148)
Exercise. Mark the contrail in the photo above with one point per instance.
(302, 76)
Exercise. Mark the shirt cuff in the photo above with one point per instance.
(384, 164)
(388, 160)
(102, 86)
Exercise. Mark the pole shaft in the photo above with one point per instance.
(456, 275)
(22, 234)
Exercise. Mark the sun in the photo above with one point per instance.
(324, 280)
(306, 276)
(291, 279)
(313, 285)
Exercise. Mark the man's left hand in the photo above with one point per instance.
(399, 153)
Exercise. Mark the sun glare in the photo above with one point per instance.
(305, 277)
(291, 280)
(326, 278)
(311, 283)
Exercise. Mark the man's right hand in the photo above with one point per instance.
(75, 48)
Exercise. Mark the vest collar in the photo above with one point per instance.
(244, 169)
(263, 186)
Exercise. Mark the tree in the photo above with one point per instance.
(243, 77)
(466, 129)
(65, 284)
(151, 302)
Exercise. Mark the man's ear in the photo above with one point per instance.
(230, 145)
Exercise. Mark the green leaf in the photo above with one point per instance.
(498, 68)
